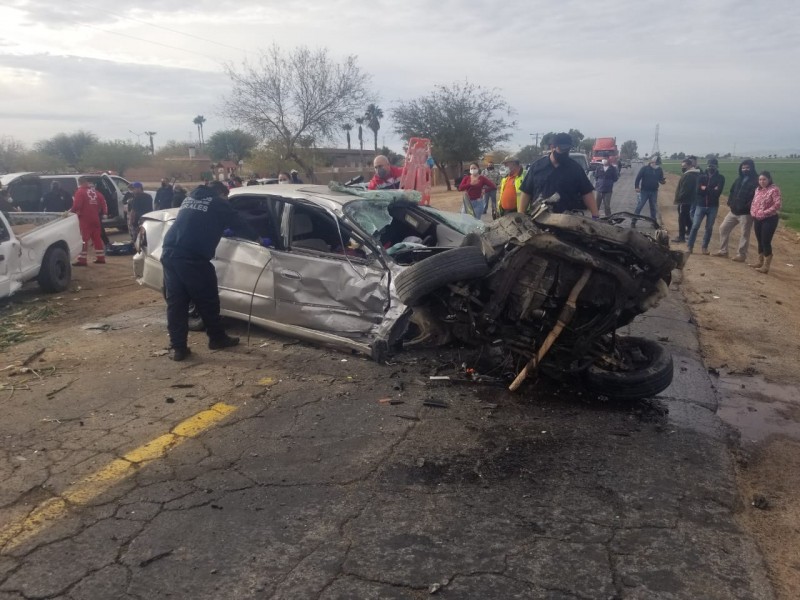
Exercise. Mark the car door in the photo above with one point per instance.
(245, 278)
(9, 261)
(113, 196)
(320, 285)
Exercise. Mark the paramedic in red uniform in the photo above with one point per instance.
(90, 206)
(386, 176)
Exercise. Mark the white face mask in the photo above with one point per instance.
(605, 162)
(283, 181)
(473, 171)
(504, 171)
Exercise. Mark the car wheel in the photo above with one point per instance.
(56, 270)
(195, 320)
(639, 368)
(422, 278)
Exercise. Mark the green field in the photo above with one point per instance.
(785, 174)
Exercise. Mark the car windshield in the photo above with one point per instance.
(373, 215)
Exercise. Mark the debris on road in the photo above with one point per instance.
(436, 403)
(760, 502)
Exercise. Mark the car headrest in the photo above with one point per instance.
(301, 225)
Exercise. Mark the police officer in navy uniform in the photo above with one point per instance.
(557, 172)
(189, 276)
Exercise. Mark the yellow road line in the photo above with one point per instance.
(91, 486)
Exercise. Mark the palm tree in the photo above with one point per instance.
(360, 121)
(347, 127)
(373, 118)
(199, 120)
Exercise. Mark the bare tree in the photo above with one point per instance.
(291, 95)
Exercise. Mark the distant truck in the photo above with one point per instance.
(604, 147)
(37, 246)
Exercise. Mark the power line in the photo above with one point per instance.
(191, 35)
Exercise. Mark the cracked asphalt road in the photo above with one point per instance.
(311, 488)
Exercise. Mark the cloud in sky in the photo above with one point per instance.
(711, 76)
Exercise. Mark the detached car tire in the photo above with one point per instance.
(56, 270)
(422, 278)
(647, 371)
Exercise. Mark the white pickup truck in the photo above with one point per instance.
(37, 246)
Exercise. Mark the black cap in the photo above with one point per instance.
(713, 162)
(562, 140)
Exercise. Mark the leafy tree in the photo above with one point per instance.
(199, 120)
(586, 145)
(373, 117)
(394, 158)
(117, 155)
(287, 95)
(528, 154)
(347, 129)
(174, 149)
(577, 136)
(12, 153)
(231, 144)
(463, 121)
(69, 147)
(628, 150)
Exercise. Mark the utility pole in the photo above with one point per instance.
(138, 137)
(152, 147)
(535, 136)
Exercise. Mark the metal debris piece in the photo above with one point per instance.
(436, 403)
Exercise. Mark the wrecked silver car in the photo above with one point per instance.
(328, 274)
(375, 271)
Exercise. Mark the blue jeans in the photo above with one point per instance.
(710, 215)
(647, 197)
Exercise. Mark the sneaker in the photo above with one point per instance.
(738, 258)
(678, 241)
(178, 354)
(705, 251)
(722, 254)
(223, 342)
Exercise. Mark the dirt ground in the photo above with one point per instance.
(748, 328)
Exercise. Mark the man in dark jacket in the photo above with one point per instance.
(164, 196)
(710, 189)
(178, 195)
(189, 275)
(605, 175)
(646, 184)
(686, 198)
(57, 199)
(739, 200)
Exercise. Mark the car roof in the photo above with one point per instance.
(321, 195)
(11, 177)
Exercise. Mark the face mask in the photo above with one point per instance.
(745, 172)
(381, 172)
(605, 163)
(473, 171)
(504, 171)
(559, 157)
(712, 169)
(283, 181)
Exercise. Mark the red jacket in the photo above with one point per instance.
(393, 181)
(89, 204)
(475, 191)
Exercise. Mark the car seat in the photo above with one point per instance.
(303, 234)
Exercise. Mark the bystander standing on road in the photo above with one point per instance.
(164, 195)
(554, 173)
(178, 195)
(7, 203)
(765, 211)
(90, 206)
(57, 199)
(490, 196)
(646, 184)
(710, 189)
(685, 198)
(473, 186)
(739, 200)
(510, 184)
(295, 176)
(189, 275)
(605, 176)
(140, 204)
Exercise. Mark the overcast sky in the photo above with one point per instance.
(717, 76)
